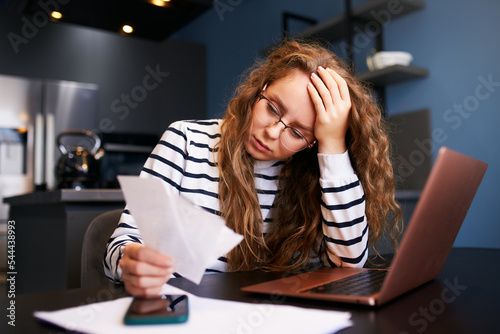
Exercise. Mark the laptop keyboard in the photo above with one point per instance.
(362, 284)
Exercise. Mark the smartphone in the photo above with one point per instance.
(162, 309)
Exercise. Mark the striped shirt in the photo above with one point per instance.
(184, 158)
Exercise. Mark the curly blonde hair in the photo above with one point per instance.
(296, 230)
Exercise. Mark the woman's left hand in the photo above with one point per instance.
(330, 96)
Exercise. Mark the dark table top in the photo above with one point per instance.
(463, 299)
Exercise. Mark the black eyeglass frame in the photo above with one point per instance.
(280, 115)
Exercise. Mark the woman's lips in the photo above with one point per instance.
(261, 146)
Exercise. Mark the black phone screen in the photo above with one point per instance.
(157, 310)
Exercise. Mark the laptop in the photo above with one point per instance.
(429, 237)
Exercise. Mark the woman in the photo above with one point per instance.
(299, 166)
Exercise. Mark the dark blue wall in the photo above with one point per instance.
(456, 40)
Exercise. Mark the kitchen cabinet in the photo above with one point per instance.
(49, 227)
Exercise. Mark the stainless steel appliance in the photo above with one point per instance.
(20, 103)
(67, 106)
(78, 167)
(43, 109)
(32, 113)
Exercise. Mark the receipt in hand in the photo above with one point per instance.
(173, 226)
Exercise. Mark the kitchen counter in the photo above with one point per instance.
(67, 195)
(49, 231)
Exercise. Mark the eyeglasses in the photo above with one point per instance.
(290, 137)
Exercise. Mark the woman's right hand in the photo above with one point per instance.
(144, 270)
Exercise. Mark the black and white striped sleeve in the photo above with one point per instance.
(343, 208)
(166, 162)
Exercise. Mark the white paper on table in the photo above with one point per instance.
(205, 316)
(193, 237)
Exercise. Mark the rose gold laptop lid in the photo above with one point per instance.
(435, 222)
(434, 225)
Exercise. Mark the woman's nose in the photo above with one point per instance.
(274, 130)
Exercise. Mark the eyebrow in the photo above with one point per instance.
(276, 99)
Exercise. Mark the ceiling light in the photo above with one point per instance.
(159, 3)
(22, 129)
(127, 29)
(56, 15)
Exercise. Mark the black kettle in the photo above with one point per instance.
(78, 167)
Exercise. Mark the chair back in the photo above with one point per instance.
(94, 244)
